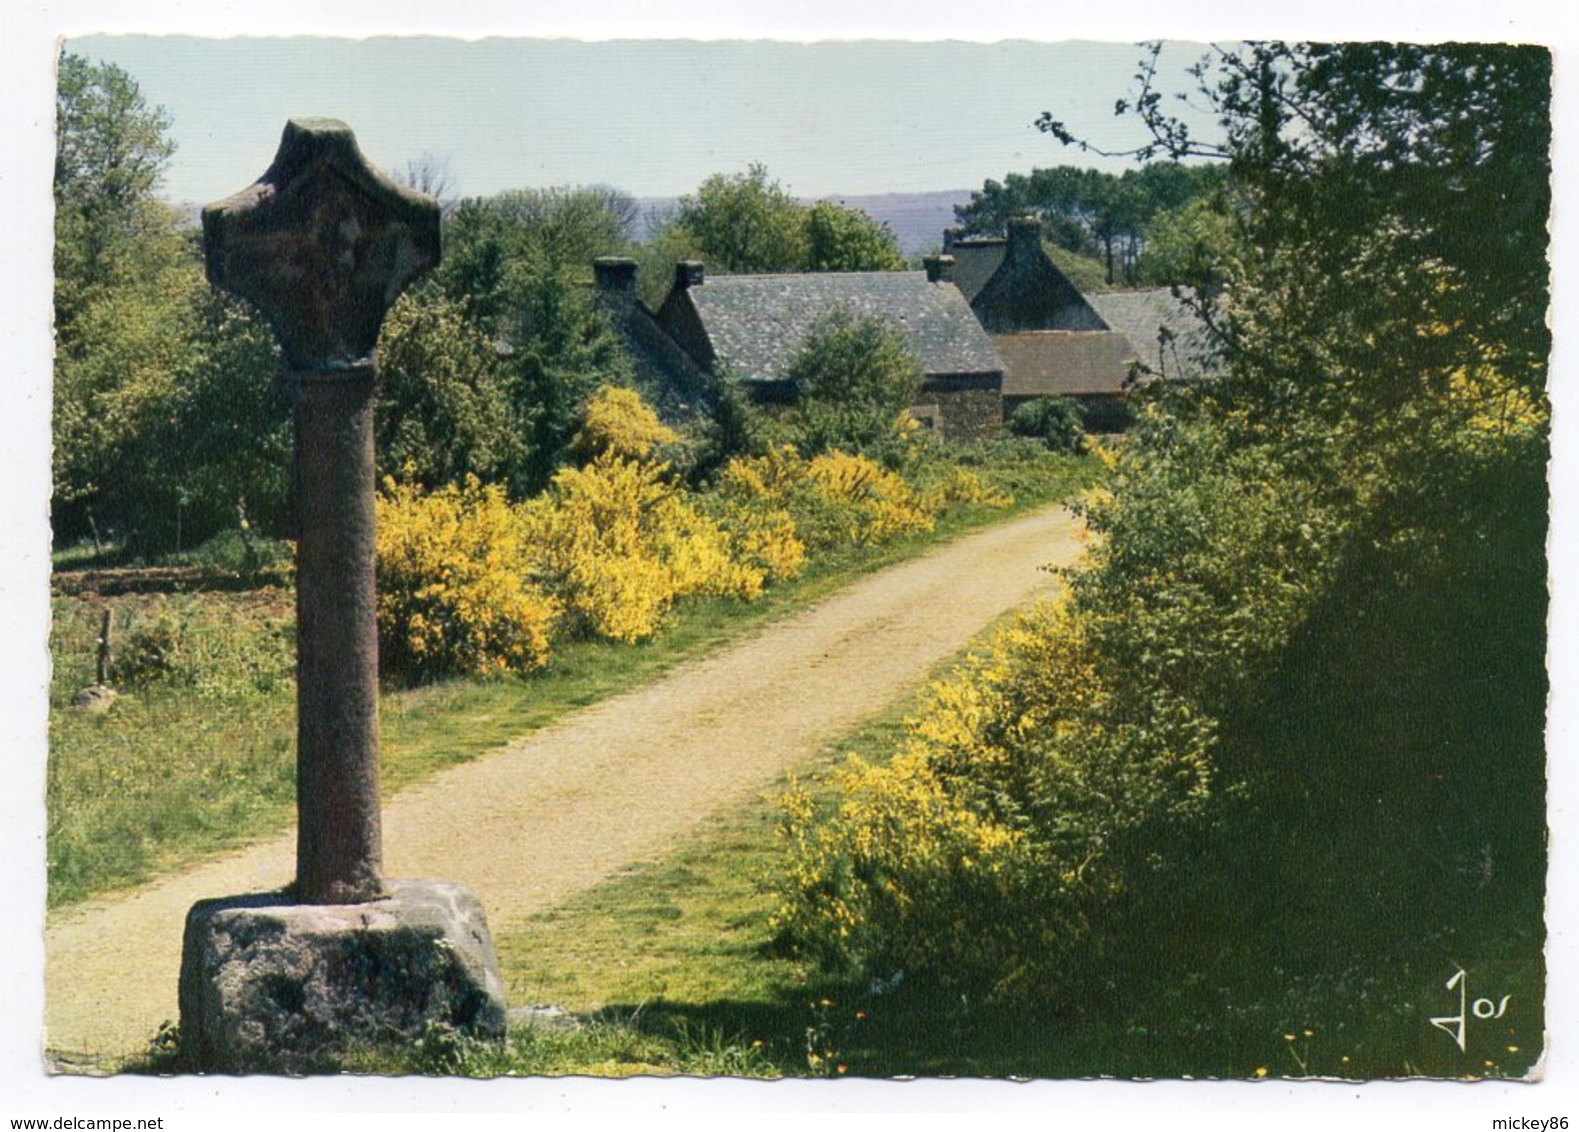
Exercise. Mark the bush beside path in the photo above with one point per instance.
(569, 805)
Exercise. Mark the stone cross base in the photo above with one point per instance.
(273, 987)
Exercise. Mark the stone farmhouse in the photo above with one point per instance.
(993, 322)
(1054, 341)
(748, 328)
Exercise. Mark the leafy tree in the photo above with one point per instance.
(746, 223)
(116, 373)
(110, 155)
(568, 227)
(732, 425)
(169, 423)
(561, 352)
(227, 454)
(444, 406)
(497, 246)
(846, 239)
(854, 378)
(1055, 194)
(1194, 245)
(749, 223)
(168, 426)
(123, 280)
(1113, 216)
(126, 288)
(516, 264)
(479, 267)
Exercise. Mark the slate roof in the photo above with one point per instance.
(666, 372)
(1065, 363)
(757, 323)
(1140, 314)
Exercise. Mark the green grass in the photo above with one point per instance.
(196, 755)
(86, 556)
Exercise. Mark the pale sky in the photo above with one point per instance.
(651, 117)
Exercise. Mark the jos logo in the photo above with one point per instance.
(1456, 1026)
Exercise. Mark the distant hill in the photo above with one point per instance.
(918, 219)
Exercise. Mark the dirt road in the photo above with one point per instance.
(565, 807)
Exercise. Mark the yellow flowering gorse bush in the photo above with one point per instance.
(879, 503)
(834, 499)
(978, 853)
(619, 423)
(957, 485)
(453, 579)
(866, 885)
(618, 545)
(475, 584)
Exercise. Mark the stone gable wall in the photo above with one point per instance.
(965, 408)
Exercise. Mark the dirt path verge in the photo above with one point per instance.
(620, 782)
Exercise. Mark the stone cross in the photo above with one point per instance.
(293, 981)
(324, 244)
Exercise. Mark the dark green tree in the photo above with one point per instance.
(1091, 212)
(1056, 421)
(853, 378)
(480, 262)
(518, 265)
(559, 351)
(224, 455)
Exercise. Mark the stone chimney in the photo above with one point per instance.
(1025, 235)
(615, 277)
(940, 268)
(614, 273)
(688, 273)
